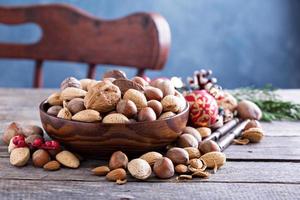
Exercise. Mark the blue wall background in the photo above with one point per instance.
(244, 42)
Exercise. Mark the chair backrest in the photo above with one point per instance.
(140, 40)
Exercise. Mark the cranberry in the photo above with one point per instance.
(48, 143)
(18, 138)
(21, 143)
(37, 142)
(55, 144)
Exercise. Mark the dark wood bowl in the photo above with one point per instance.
(101, 140)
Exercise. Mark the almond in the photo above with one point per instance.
(55, 99)
(115, 118)
(204, 131)
(214, 158)
(70, 93)
(116, 174)
(85, 82)
(52, 166)
(151, 157)
(181, 169)
(253, 134)
(193, 152)
(101, 171)
(64, 113)
(11, 146)
(70, 82)
(68, 159)
(19, 156)
(87, 116)
(139, 169)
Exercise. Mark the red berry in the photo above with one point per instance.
(55, 144)
(48, 143)
(37, 142)
(18, 138)
(21, 143)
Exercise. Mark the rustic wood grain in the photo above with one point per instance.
(232, 172)
(15, 189)
(139, 40)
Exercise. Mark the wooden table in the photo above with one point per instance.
(269, 170)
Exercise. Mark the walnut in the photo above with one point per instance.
(102, 97)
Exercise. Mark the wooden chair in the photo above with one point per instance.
(140, 40)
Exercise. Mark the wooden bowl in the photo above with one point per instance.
(101, 140)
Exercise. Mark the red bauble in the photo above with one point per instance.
(203, 108)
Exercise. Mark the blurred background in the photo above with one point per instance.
(245, 43)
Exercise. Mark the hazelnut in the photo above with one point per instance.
(166, 87)
(140, 81)
(139, 169)
(156, 82)
(127, 108)
(70, 82)
(204, 131)
(192, 131)
(40, 157)
(146, 114)
(76, 105)
(118, 160)
(171, 103)
(166, 115)
(115, 118)
(116, 74)
(54, 110)
(208, 146)
(181, 169)
(187, 140)
(153, 93)
(163, 168)
(156, 106)
(252, 124)
(11, 130)
(102, 97)
(193, 152)
(178, 155)
(137, 97)
(248, 110)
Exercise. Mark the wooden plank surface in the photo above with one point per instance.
(268, 170)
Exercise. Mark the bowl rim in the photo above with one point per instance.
(186, 109)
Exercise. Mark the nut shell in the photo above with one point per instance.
(124, 85)
(192, 131)
(117, 74)
(70, 82)
(193, 152)
(67, 159)
(127, 108)
(118, 160)
(248, 110)
(153, 93)
(171, 103)
(178, 155)
(19, 156)
(151, 157)
(212, 158)
(64, 114)
(116, 174)
(139, 169)
(254, 135)
(55, 100)
(156, 106)
(87, 116)
(102, 97)
(146, 114)
(40, 157)
(187, 140)
(76, 105)
(71, 93)
(163, 168)
(252, 124)
(204, 131)
(115, 118)
(137, 97)
(11, 130)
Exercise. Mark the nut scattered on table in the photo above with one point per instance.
(139, 169)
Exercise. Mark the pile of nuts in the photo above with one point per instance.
(116, 99)
(186, 158)
(25, 142)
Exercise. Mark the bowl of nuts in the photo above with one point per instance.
(96, 118)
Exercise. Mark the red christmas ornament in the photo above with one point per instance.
(203, 108)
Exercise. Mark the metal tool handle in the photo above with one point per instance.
(223, 130)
